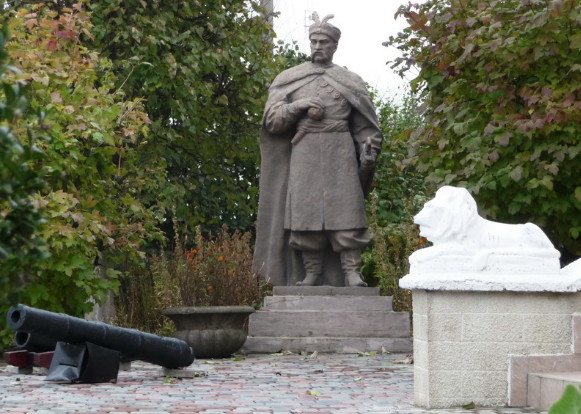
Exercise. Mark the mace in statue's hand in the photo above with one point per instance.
(367, 157)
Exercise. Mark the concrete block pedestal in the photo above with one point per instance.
(463, 341)
(487, 297)
(328, 319)
(467, 335)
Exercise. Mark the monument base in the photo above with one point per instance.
(328, 319)
(466, 341)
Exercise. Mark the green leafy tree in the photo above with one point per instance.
(397, 183)
(203, 68)
(502, 91)
(92, 164)
(20, 218)
(399, 193)
(290, 55)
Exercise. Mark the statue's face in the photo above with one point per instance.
(322, 48)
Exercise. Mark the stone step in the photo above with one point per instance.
(311, 323)
(328, 303)
(325, 291)
(545, 389)
(269, 345)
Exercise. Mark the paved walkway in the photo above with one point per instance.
(291, 384)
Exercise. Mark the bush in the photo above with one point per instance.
(399, 193)
(387, 260)
(502, 105)
(214, 272)
(93, 164)
(21, 248)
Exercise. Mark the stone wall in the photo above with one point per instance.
(463, 341)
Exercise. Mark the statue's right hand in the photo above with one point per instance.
(306, 103)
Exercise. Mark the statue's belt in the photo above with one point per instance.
(308, 125)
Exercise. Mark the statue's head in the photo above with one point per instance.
(324, 38)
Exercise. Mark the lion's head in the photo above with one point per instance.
(448, 216)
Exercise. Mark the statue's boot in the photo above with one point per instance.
(351, 263)
(313, 262)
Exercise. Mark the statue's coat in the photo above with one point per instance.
(273, 258)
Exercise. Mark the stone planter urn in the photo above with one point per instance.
(212, 331)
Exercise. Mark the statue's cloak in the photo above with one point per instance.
(274, 260)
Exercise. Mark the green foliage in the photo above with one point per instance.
(92, 164)
(215, 272)
(570, 402)
(386, 261)
(501, 84)
(397, 183)
(20, 218)
(289, 55)
(153, 111)
(399, 193)
(203, 68)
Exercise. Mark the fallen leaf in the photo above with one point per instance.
(282, 353)
(409, 359)
(362, 354)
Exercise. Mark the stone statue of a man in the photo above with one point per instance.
(319, 142)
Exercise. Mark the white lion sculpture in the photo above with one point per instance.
(465, 242)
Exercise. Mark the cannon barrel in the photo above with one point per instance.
(34, 342)
(133, 344)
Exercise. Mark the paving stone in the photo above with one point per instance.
(347, 384)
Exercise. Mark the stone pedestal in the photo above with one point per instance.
(328, 319)
(485, 294)
(468, 332)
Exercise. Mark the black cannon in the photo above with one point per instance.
(34, 342)
(48, 327)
